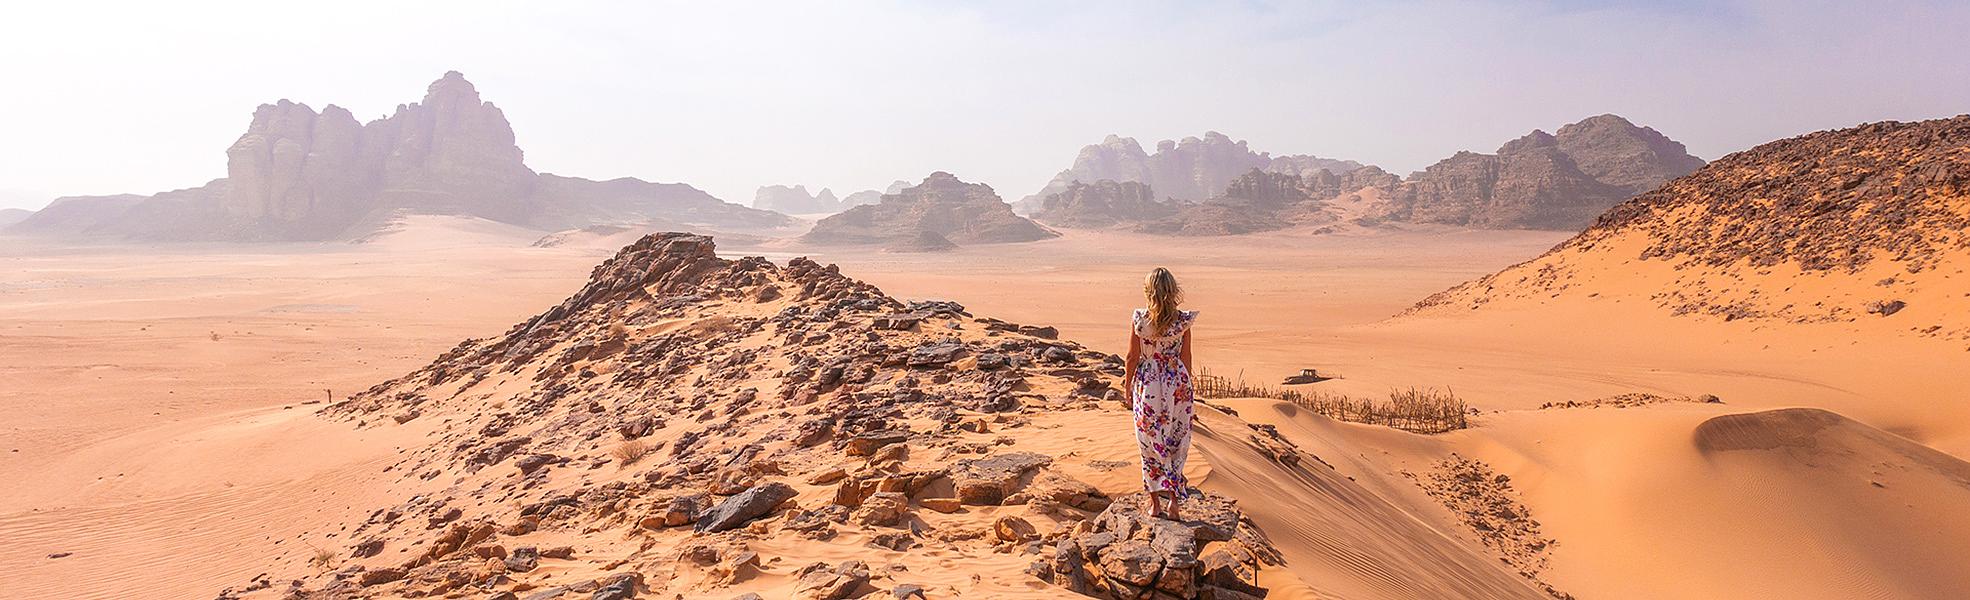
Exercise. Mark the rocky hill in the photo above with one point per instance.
(916, 218)
(1865, 224)
(1192, 169)
(1541, 180)
(298, 174)
(691, 425)
(1103, 203)
(9, 216)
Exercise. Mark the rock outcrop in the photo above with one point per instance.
(1103, 203)
(1542, 181)
(298, 174)
(1192, 169)
(1871, 216)
(942, 205)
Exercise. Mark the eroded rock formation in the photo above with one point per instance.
(915, 218)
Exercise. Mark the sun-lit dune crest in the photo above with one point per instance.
(1864, 225)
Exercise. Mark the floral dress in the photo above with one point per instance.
(1163, 403)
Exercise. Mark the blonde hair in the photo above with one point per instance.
(1164, 294)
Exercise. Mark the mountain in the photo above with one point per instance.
(9, 216)
(795, 200)
(1103, 203)
(1541, 180)
(1267, 200)
(298, 174)
(1191, 170)
(941, 206)
(1861, 226)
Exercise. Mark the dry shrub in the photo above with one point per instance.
(323, 559)
(629, 452)
(1415, 410)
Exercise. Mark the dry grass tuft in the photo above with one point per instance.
(323, 559)
(1414, 410)
(627, 453)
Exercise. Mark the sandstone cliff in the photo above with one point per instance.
(298, 174)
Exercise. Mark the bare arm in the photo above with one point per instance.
(1128, 364)
(1184, 354)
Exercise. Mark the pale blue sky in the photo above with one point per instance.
(145, 96)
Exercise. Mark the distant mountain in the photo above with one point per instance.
(297, 174)
(1193, 169)
(1265, 201)
(9, 216)
(1103, 203)
(936, 214)
(795, 200)
(1863, 225)
(1542, 181)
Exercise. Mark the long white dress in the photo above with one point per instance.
(1163, 401)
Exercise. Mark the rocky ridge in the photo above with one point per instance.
(298, 174)
(1879, 210)
(685, 424)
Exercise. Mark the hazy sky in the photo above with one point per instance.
(146, 96)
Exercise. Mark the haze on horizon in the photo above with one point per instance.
(140, 98)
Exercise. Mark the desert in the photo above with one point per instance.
(427, 353)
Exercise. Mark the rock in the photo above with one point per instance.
(1885, 307)
(886, 509)
(988, 481)
(836, 583)
(619, 587)
(368, 548)
(523, 559)
(827, 476)
(1124, 553)
(936, 354)
(530, 463)
(942, 505)
(906, 591)
(1014, 529)
(1058, 487)
(380, 576)
(899, 321)
(744, 507)
(867, 443)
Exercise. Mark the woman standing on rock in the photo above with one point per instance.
(1158, 380)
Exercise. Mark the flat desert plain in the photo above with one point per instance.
(158, 438)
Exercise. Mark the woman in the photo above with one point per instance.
(1158, 379)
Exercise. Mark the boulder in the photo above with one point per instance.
(820, 582)
(744, 507)
(988, 481)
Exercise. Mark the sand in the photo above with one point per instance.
(157, 428)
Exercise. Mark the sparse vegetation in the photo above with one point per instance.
(1416, 410)
(627, 453)
(323, 559)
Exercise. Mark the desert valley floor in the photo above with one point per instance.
(159, 435)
